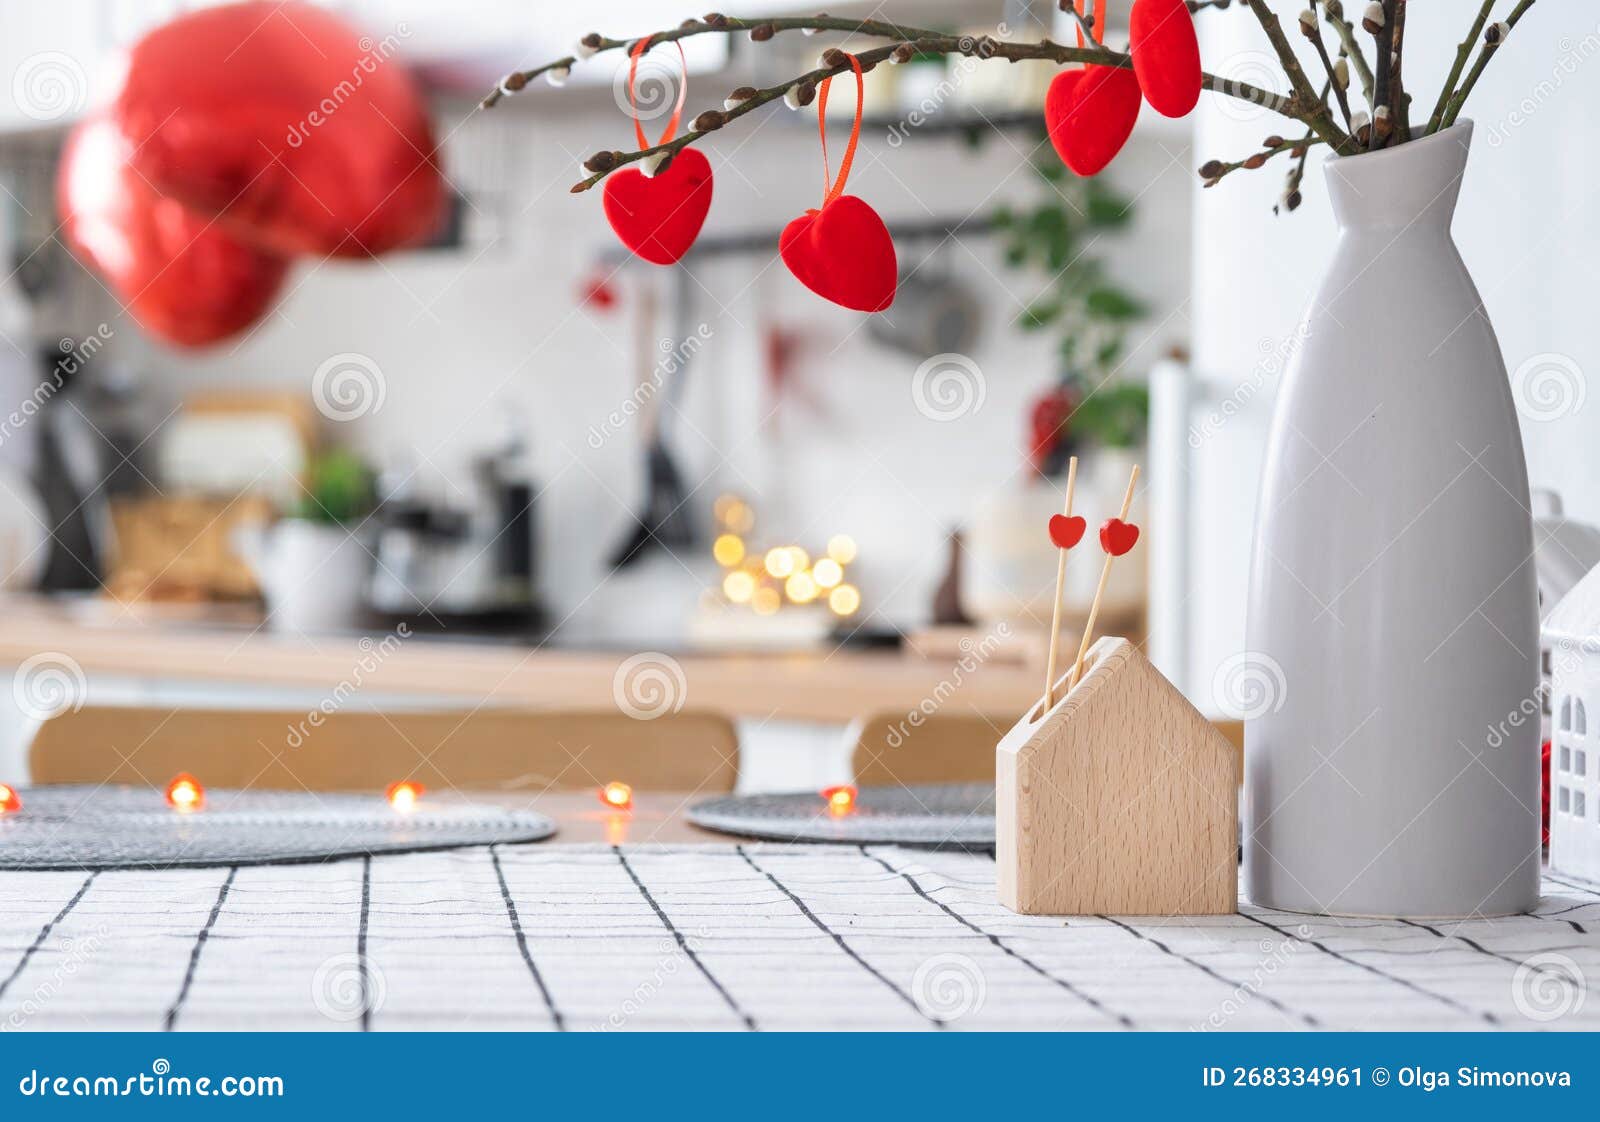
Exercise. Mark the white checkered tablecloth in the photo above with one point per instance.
(737, 937)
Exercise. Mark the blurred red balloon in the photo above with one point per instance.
(301, 134)
(184, 279)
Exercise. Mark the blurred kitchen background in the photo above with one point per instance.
(855, 501)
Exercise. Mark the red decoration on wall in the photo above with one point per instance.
(842, 252)
(1166, 55)
(658, 217)
(287, 125)
(1047, 424)
(1544, 787)
(1090, 113)
(1067, 531)
(185, 279)
(1117, 536)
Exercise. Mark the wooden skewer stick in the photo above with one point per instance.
(1061, 583)
(1105, 572)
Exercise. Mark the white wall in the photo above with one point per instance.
(466, 340)
(1526, 225)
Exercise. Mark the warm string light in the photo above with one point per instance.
(184, 793)
(617, 796)
(10, 801)
(766, 580)
(841, 800)
(404, 794)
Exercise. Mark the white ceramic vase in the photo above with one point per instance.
(1393, 622)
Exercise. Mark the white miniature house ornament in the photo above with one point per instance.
(1572, 636)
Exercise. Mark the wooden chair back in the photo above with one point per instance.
(890, 751)
(484, 749)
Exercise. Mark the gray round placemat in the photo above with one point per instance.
(133, 828)
(945, 816)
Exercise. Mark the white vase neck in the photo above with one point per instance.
(1413, 185)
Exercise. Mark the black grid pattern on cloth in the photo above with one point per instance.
(735, 938)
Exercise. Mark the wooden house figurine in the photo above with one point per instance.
(1122, 799)
(1570, 636)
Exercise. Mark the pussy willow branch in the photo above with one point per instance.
(1313, 112)
(1314, 34)
(1334, 10)
(1463, 52)
(1220, 169)
(917, 39)
(1398, 97)
(1459, 98)
(1383, 56)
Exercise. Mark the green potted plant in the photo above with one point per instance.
(313, 564)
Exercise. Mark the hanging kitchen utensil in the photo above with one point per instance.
(665, 520)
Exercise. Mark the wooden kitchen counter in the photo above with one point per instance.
(824, 686)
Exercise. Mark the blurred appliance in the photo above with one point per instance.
(442, 566)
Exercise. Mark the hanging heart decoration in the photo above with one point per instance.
(1166, 55)
(1117, 536)
(658, 216)
(1067, 531)
(1090, 113)
(843, 251)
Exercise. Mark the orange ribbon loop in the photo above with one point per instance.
(837, 188)
(639, 49)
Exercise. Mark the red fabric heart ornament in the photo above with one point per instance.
(288, 126)
(660, 218)
(183, 277)
(842, 252)
(1166, 55)
(1066, 531)
(1117, 536)
(1090, 113)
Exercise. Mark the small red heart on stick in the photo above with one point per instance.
(660, 218)
(1090, 113)
(843, 253)
(1067, 532)
(1166, 55)
(1117, 536)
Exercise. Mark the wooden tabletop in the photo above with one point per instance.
(825, 685)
